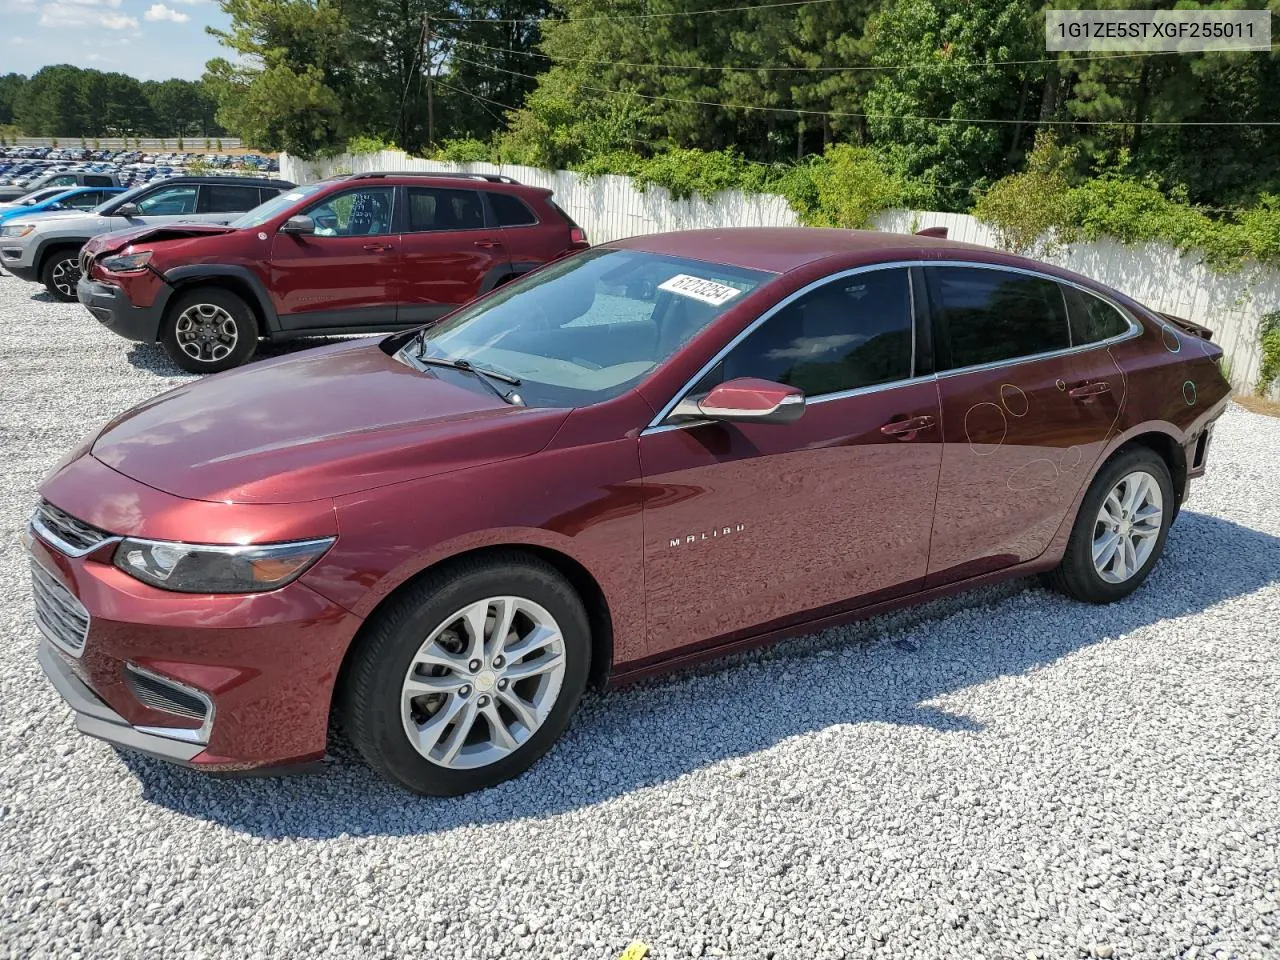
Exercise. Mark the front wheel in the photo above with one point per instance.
(1121, 529)
(61, 273)
(210, 329)
(469, 677)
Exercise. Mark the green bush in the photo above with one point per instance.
(1269, 335)
(464, 151)
(362, 145)
(1030, 211)
(845, 187)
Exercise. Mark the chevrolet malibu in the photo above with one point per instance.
(644, 455)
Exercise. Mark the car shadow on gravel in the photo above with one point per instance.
(883, 670)
(152, 358)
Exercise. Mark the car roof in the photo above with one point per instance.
(783, 249)
(233, 181)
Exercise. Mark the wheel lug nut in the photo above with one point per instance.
(502, 684)
(464, 691)
(482, 702)
(498, 661)
(474, 666)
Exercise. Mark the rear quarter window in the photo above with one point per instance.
(1092, 318)
(511, 211)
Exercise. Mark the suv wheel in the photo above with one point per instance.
(469, 677)
(61, 273)
(210, 329)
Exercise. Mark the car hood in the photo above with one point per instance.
(119, 239)
(323, 423)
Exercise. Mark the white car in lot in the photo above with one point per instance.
(46, 247)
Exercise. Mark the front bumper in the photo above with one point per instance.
(95, 718)
(16, 267)
(112, 308)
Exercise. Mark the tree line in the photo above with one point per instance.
(68, 101)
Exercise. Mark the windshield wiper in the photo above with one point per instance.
(484, 376)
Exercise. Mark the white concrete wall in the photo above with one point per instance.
(609, 208)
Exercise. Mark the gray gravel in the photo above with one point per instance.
(1004, 774)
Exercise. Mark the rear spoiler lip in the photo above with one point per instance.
(1195, 329)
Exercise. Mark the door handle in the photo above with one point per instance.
(377, 247)
(908, 428)
(488, 244)
(1087, 390)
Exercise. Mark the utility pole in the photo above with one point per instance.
(429, 65)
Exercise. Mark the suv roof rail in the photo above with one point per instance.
(490, 177)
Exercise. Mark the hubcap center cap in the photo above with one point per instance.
(486, 680)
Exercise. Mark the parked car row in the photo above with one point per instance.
(24, 168)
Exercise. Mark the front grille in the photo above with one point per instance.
(71, 536)
(59, 615)
(165, 696)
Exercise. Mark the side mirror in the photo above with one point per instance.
(745, 400)
(299, 226)
(127, 210)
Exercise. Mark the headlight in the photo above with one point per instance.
(126, 263)
(204, 568)
(14, 230)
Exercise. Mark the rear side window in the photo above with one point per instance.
(92, 181)
(993, 315)
(1092, 318)
(226, 198)
(511, 211)
(852, 332)
(431, 208)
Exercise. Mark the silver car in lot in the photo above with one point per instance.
(45, 247)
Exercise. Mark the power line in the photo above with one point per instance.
(824, 69)
(637, 16)
(799, 111)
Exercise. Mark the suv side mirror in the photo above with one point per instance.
(299, 226)
(745, 400)
(127, 210)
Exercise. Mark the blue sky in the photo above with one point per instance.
(150, 39)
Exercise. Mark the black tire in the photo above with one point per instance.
(60, 272)
(217, 307)
(369, 699)
(1077, 576)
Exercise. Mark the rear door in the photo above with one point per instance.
(345, 275)
(452, 252)
(223, 202)
(1025, 414)
(167, 203)
(529, 241)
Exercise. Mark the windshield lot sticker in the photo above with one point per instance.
(708, 291)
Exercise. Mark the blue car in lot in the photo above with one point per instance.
(56, 198)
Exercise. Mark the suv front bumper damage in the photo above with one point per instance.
(113, 309)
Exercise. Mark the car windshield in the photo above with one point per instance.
(277, 204)
(590, 327)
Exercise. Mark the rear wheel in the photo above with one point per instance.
(61, 273)
(1121, 529)
(469, 677)
(210, 329)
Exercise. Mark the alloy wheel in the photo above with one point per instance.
(65, 276)
(1127, 527)
(206, 332)
(483, 682)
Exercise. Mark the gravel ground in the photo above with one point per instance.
(1004, 774)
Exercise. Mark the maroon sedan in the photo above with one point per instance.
(646, 454)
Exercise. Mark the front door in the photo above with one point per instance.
(1025, 411)
(344, 276)
(757, 524)
(450, 255)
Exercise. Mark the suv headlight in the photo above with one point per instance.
(206, 568)
(126, 263)
(15, 230)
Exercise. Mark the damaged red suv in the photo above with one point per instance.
(356, 254)
(649, 453)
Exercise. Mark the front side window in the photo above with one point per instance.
(589, 327)
(995, 315)
(852, 332)
(1092, 318)
(353, 213)
(83, 201)
(433, 209)
(169, 201)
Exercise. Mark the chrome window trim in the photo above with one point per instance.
(656, 423)
(198, 734)
(1135, 328)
